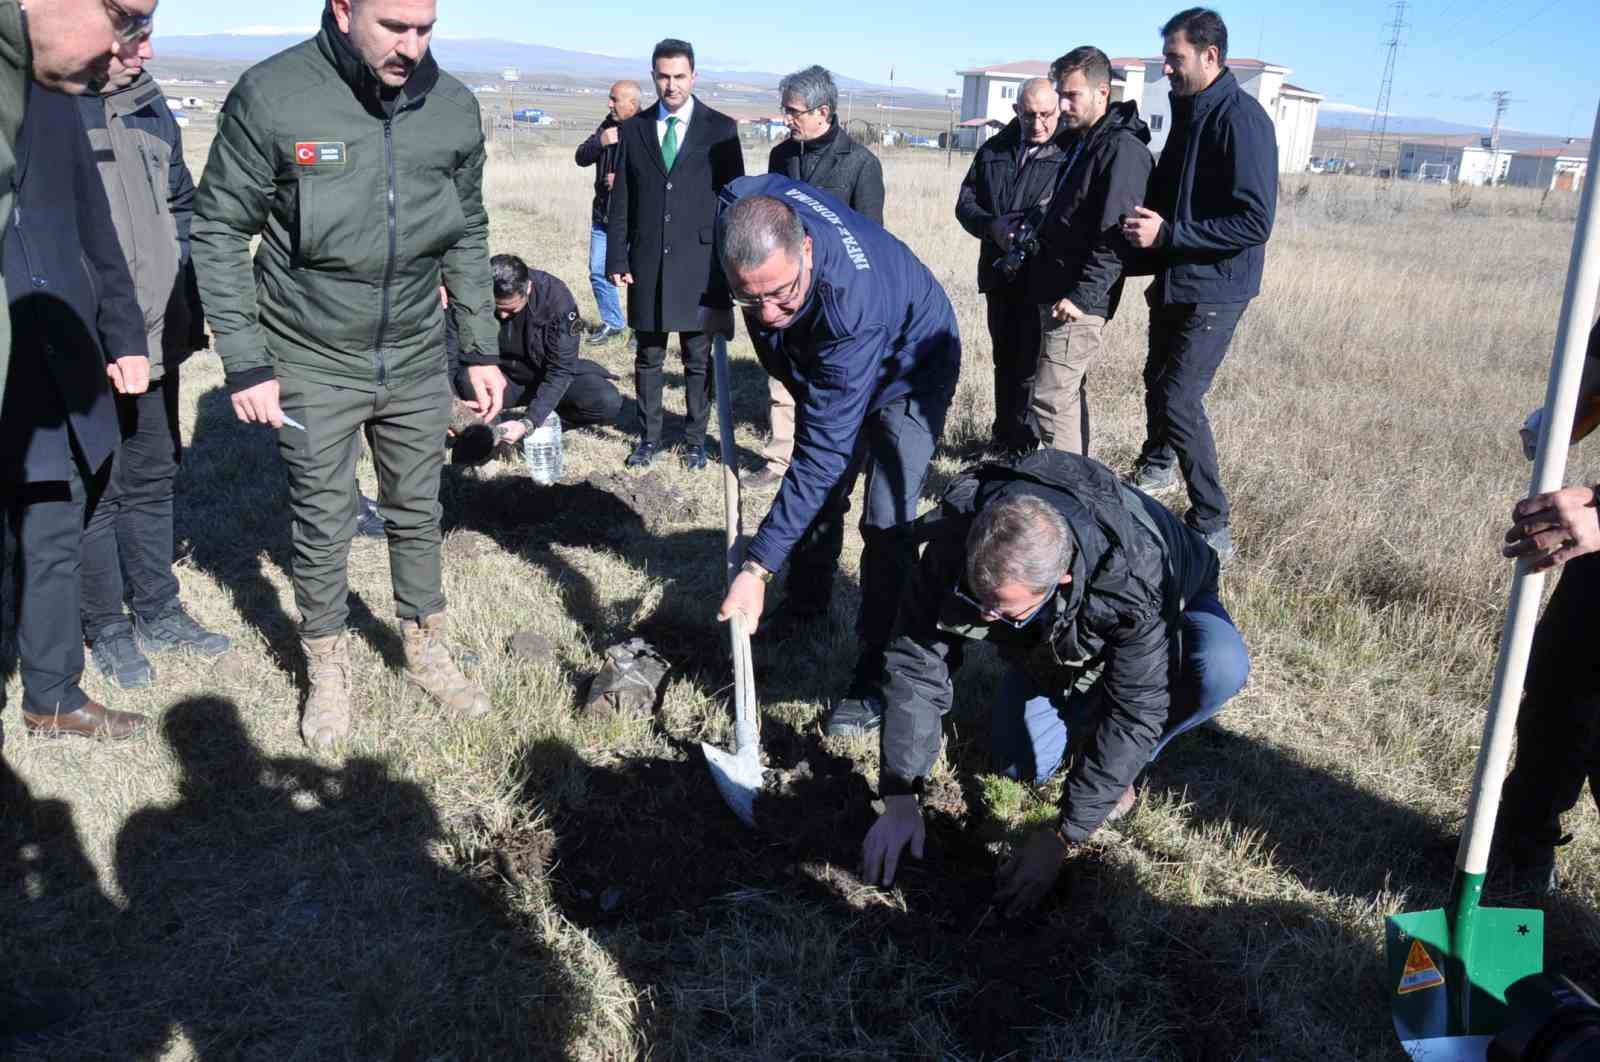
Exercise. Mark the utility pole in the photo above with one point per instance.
(1502, 103)
(891, 104)
(1380, 115)
(950, 136)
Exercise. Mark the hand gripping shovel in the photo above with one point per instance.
(1449, 968)
(737, 773)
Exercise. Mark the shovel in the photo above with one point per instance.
(737, 773)
(1449, 967)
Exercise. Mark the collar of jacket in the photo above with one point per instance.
(1200, 104)
(133, 98)
(355, 72)
(826, 140)
(1119, 117)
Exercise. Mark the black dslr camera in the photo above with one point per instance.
(1024, 245)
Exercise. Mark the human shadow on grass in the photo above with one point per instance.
(650, 860)
(234, 507)
(278, 908)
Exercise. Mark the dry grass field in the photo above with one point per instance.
(555, 884)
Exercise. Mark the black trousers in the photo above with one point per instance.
(1014, 336)
(127, 547)
(591, 399)
(46, 520)
(1187, 343)
(1558, 729)
(649, 380)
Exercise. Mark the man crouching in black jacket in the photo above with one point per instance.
(1105, 607)
(539, 335)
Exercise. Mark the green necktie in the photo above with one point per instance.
(669, 144)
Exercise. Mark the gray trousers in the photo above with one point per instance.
(405, 427)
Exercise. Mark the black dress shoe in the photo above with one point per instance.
(642, 454)
(603, 334)
(694, 457)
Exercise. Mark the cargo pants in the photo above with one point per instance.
(405, 426)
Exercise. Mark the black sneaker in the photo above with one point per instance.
(642, 455)
(603, 334)
(1154, 480)
(117, 657)
(856, 715)
(174, 630)
(694, 458)
(1525, 867)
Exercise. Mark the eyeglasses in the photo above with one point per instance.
(988, 613)
(795, 112)
(126, 26)
(782, 297)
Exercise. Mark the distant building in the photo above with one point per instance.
(1453, 160)
(971, 133)
(990, 92)
(1556, 169)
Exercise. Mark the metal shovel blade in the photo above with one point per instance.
(1448, 991)
(738, 778)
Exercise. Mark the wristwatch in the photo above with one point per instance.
(750, 567)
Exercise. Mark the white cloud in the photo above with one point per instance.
(1346, 108)
(270, 31)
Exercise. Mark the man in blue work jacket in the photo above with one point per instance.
(865, 339)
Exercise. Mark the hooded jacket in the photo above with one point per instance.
(1081, 247)
(138, 148)
(1216, 185)
(999, 183)
(1135, 567)
(365, 200)
(836, 164)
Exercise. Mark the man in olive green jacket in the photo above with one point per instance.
(360, 165)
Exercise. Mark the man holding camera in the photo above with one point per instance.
(1005, 192)
(1076, 279)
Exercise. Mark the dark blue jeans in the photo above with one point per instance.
(1187, 343)
(893, 450)
(127, 546)
(1032, 726)
(606, 298)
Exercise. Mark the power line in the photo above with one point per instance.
(1524, 24)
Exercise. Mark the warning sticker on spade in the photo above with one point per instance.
(1420, 972)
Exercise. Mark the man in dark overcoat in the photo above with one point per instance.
(676, 155)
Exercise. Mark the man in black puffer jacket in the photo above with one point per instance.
(1077, 280)
(820, 153)
(1105, 607)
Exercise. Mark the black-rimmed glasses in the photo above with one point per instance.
(128, 27)
(990, 614)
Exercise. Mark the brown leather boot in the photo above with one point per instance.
(93, 720)
(428, 664)
(326, 719)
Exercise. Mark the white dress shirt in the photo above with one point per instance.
(685, 113)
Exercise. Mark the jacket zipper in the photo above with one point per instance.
(388, 266)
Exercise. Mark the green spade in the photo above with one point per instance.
(1449, 968)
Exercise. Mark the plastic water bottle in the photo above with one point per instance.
(543, 453)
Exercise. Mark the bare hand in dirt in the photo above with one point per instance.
(1030, 872)
(130, 375)
(1551, 529)
(1142, 228)
(900, 824)
(488, 390)
(1065, 311)
(259, 404)
(747, 595)
(513, 432)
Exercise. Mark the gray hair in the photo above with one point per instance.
(1019, 539)
(754, 227)
(1041, 85)
(814, 85)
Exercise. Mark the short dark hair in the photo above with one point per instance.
(1089, 59)
(510, 275)
(1203, 26)
(671, 48)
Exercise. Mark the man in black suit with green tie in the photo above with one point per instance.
(676, 156)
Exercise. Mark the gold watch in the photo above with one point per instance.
(750, 567)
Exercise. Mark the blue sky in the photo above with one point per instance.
(1454, 53)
